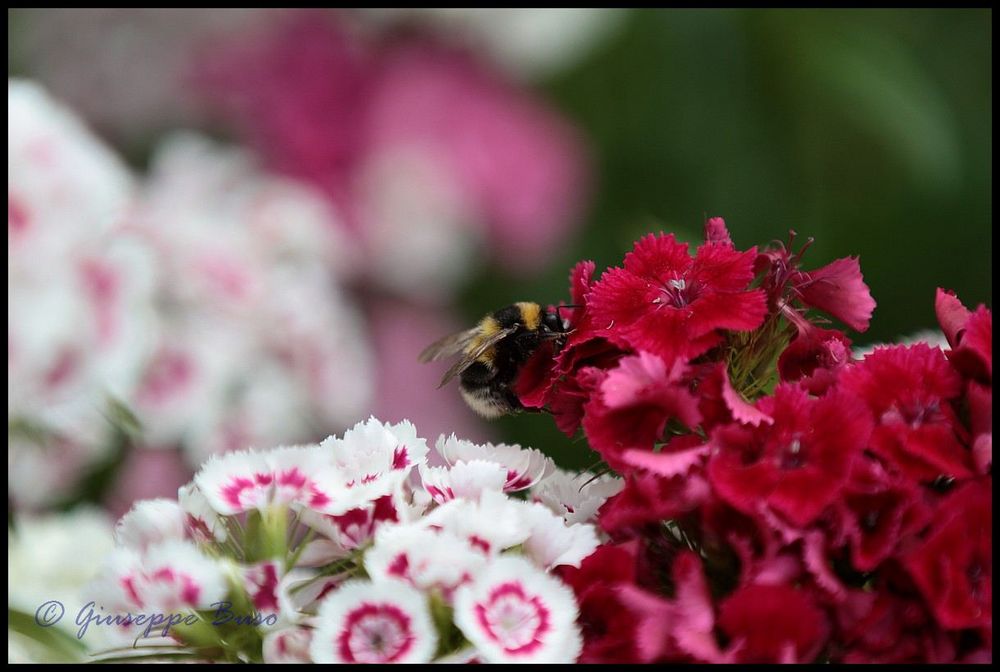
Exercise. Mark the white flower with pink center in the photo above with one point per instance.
(551, 542)
(354, 528)
(365, 622)
(247, 267)
(150, 522)
(239, 482)
(463, 480)
(515, 612)
(491, 524)
(576, 497)
(290, 645)
(373, 460)
(170, 576)
(524, 466)
(203, 522)
(424, 557)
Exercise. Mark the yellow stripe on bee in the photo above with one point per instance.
(531, 314)
(487, 327)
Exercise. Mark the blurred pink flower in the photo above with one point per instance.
(521, 164)
(324, 105)
(147, 474)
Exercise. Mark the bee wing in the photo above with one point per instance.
(452, 344)
(470, 357)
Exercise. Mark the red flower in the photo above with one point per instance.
(980, 400)
(883, 509)
(681, 629)
(883, 627)
(633, 403)
(771, 624)
(798, 465)
(608, 627)
(969, 334)
(814, 357)
(838, 289)
(952, 315)
(954, 566)
(974, 354)
(908, 390)
(719, 402)
(670, 304)
(648, 498)
(716, 231)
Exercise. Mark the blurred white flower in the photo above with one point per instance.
(259, 345)
(54, 557)
(80, 316)
(422, 233)
(150, 522)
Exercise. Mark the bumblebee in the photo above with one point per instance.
(492, 353)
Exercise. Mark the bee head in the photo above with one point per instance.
(552, 323)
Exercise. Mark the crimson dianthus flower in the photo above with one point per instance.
(798, 464)
(954, 566)
(665, 302)
(773, 623)
(909, 391)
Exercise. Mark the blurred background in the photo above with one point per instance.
(239, 227)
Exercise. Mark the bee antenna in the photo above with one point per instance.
(560, 308)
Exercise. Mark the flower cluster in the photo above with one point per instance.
(205, 298)
(257, 343)
(783, 501)
(356, 550)
(79, 297)
(424, 150)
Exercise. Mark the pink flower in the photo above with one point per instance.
(650, 498)
(798, 465)
(517, 164)
(515, 612)
(672, 305)
(364, 622)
